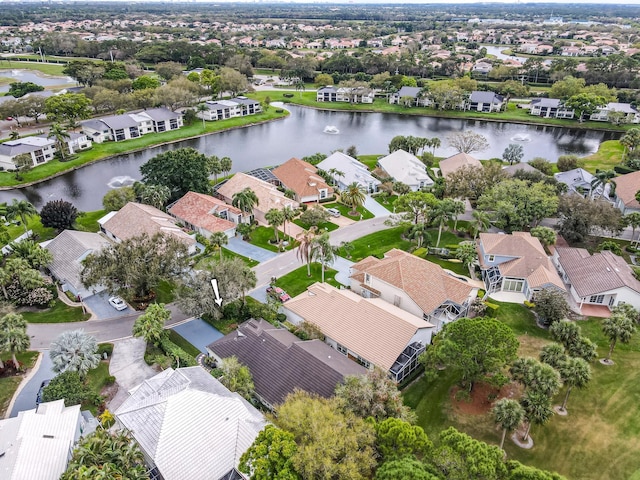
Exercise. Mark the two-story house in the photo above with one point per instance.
(550, 108)
(39, 148)
(224, 109)
(485, 102)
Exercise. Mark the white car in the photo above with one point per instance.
(334, 212)
(117, 303)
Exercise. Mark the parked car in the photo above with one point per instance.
(334, 212)
(117, 303)
(39, 396)
(278, 294)
(9, 119)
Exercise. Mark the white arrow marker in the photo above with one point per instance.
(214, 284)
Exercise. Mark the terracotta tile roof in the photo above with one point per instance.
(597, 273)
(626, 188)
(456, 162)
(428, 285)
(268, 195)
(135, 219)
(199, 209)
(372, 328)
(280, 362)
(301, 177)
(530, 260)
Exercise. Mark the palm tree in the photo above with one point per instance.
(457, 208)
(419, 234)
(61, 135)
(32, 252)
(347, 248)
(537, 407)
(21, 209)
(245, 200)
(201, 108)
(633, 220)
(602, 178)
(215, 168)
(14, 135)
(150, 325)
(305, 242)
(300, 87)
(480, 222)
(554, 355)
(275, 218)
(575, 372)
(322, 250)
(508, 414)
(435, 143)
(288, 214)
(618, 328)
(74, 351)
(442, 213)
(354, 196)
(155, 195)
(13, 336)
(218, 240)
(225, 165)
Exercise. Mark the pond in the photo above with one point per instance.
(303, 133)
(34, 77)
(497, 52)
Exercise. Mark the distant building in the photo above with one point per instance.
(550, 108)
(224, 109)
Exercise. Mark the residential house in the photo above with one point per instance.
(485, 102)
(515, 263)
(268, 195)
(118, 128)
(39, 148)
(630, 113)
(406, 168)
(580, 181)
(342, 94)
(550, 108)
(482, 68)
(369, 331)
(418, 286)
(78, 141)
(224, 109)
(186, 423)
(414, 93)
(352, 171)
(68, 250)
(163, 119)
(625, 194)
(456, 162)
(37, 444)
(302, 178)
(511, 170)
(329, 94)
(603, 278)
(280, 362)
(206, 214)
(135, 219)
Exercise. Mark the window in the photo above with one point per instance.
(491, 258)
(341, 349)
(512, 285)
(367, 278)
(612, 300)
(173, 124)
(596, 299)
(323, 193)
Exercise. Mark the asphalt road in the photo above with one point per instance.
(26, 399)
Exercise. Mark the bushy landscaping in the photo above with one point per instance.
(9, 384)
(323, 227)
(296, 282)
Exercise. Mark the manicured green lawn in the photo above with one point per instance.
(323, 227)
(33, 223)
(60, 313)
(165, 293)
(296, 282)
(183, 343)
(599, 437)
(95, 381)
(9, 385)
(346, 211)
(609, 155)
(205, 262)
(260, 238)
(88, 221)
(377, 244)
(107, 149)
(48, 68)
(454, 265)
(386, 201)
(369, 160)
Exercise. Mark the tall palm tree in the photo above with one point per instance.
(225, 165)
(245, 200)
(201, 108)
(419, 234)
(305, 242)
(618, 328)
(288, 214)
(434, 143)
(61, 136)
(480, 222)
(508, 414)
(275, 218)
(322, 250)
(575, 372)
(13, 336)
(75, 351)
(21, 209)
(218, 240)
(457, 208)
(602, 178)
(353, 196)
(537, 407)
(215, 168)
(633, 220)
(442, 213)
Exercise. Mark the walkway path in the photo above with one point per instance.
(375, 208)
(239, 246)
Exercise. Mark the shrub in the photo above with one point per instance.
(420, 252)
(492, 309)
(177, 354)
(110, 380)
(529, 304)
(105, 348)
(568, 162)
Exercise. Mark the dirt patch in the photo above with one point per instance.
(482, 397)
(108, 392)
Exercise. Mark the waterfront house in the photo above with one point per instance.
(206, 214)
(39, 148)
(118, 128)
(303, 179)
(626, 188)
(343, 94)
(224, 109)
(414, 93)
(350, 171)
(406, 168)
(163, 119)
(630, 114)
(580, 181)
(77, 142)
(456, 162)
(550, 108)
(485, 102)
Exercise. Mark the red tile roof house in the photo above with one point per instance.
(302, 178)
(603, 279)
(418, 286)
(626, 188)
(206, 214)
(516, 263)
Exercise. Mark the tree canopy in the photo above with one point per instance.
(270, 456)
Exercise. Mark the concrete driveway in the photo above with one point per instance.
(99, 305)
(127, 363)
(198, 333)
(239, 246)
(26, 398)
(374, 207)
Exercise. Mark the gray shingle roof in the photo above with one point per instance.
(408, 92)
(546, 102)
(160, 114)
(485, 97)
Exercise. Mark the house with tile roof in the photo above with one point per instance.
(352, 171)
(268, 194)
(280, 362)
(406, 168)
(603, 278)
(206, 214)
(516, 263)
(625, 194)
(187, 423)
(418, 286)
(37, 444)
(369, 331)
(456, 162)
(302, 178)
(135, 219)
(68, 250)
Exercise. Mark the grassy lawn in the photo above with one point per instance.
(326, 226)
(206, 261)
(344, 210)
(386, 201)
(107, 149)
(595, 441)
(165, 293)
(609, 155)
(95, 381)
(88, 221)
(60, 313)
(184, 344)
(454, 265)
(260, 238)
(296, 282)
(33, 224)
(378, 243)
(369, 160)
(9, 385)
(48, 68)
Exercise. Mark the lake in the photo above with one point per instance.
(34, 77)
(302, 133)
